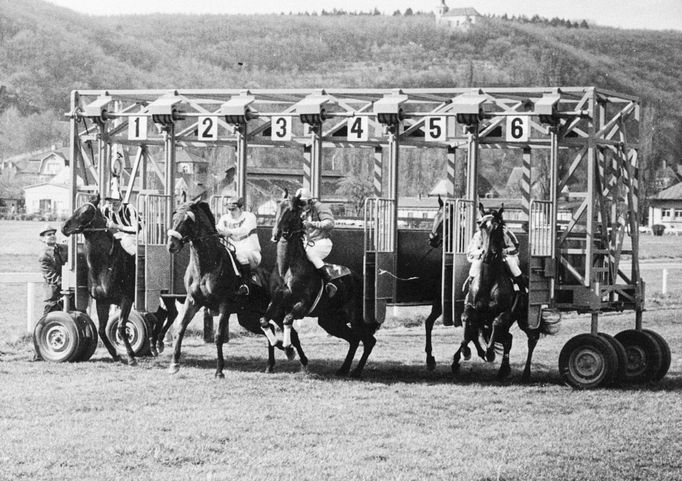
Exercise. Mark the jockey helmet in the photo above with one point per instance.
(234, 201)
(48, 229)
(303, 194)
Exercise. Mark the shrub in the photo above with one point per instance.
(658, 229)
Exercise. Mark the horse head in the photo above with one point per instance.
(436, 234)
(192, 221)
(491, 224)
(87, 216)
(288, 219)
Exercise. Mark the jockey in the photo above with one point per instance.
(318, 221)
(238, 227)
(475, 253)
(122, 219)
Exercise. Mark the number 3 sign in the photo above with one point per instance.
(518, 128)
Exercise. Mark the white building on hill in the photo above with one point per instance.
(457, 18)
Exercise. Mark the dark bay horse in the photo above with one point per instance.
(211, 281)
(296, 285)
(492, 305)
(111, 270)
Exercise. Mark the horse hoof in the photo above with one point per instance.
(430, 363)
(173, 368)
(342, 372)
(153, 351)
(161, 346)
(455, 369)
(503, 373)
(132, 362)
(303, 369)
(356, 374)
(291, 353)
(219, 375)
(466, 353)
(269, 370)
(490, 355)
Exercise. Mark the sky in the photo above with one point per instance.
(639, 14)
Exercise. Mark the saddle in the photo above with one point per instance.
(336, 271)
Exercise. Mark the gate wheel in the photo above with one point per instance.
(56, 337)
(622, 357)
(645, 358)
(136, 329)
(666, 358)
(89, 338)
(588, 361)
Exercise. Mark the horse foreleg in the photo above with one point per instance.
(103, 318)
(500, 328)
(126, 306)
(436, 311)
(368, 343)
(337, 327)
(505, 368)
(223, 324)
(470, 334)
(533, 337)
(171, 315)
(297, 312)
(187, 312)
(270, 367)
(296, 342)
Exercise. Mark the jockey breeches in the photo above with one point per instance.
(512, 262)
(250, 257)
(128, 242)
(318, 251)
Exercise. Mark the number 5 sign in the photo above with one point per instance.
(436, 129)
(518, 128)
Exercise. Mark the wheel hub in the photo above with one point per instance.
(587, 364)
(56, 338)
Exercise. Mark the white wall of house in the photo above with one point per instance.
(669, 215)
(47, 198)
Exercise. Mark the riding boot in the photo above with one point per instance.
(245, 274)
(521, 282)
(328, 286)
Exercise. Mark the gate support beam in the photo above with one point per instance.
(312, 165)
(240, 131)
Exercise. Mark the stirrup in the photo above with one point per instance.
(243, 290)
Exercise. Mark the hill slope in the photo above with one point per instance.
(46, 51)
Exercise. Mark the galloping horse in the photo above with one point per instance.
(211, 281)
(296, 290)
(492, 306)
(111, 270)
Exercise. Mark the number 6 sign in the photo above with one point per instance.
(518, 128)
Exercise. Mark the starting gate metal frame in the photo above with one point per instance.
(580, 266)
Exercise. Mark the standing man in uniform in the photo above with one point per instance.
(122, 219)
(238, 227)
(318, 221)
(51, 259)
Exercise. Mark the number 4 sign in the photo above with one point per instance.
(358, 129)
(518, 128)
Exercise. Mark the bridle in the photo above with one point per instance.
(184, 239)
(85, 227)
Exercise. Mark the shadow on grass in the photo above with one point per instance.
(392, 372)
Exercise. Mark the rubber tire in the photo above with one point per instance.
(588, 348)
(56, 338)
(89, 338)
(136, 326)
(665, 350)
(644, 355)
(622, 358)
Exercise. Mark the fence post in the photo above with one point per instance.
(664, 283)
(30, 296)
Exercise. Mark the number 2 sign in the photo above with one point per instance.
(518, 128)
(207, 128)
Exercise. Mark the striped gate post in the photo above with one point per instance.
(525, 182)
(307, 167)
(452, 151)
(378, 172)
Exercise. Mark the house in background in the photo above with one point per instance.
(666, 209)
(50, 199)
(457, 18)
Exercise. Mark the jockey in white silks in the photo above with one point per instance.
(475, 253)
(239, 228)
(122, 219)
(318, 221)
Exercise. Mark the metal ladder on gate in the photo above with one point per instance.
(541, 263)
(459, 218)
(379, 261)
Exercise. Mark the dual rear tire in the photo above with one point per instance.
(588, 361)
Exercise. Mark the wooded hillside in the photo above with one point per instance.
(46, 51)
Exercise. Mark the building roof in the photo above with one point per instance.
(462, 12)
(671, 193)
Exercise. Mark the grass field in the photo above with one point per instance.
(104, 421)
